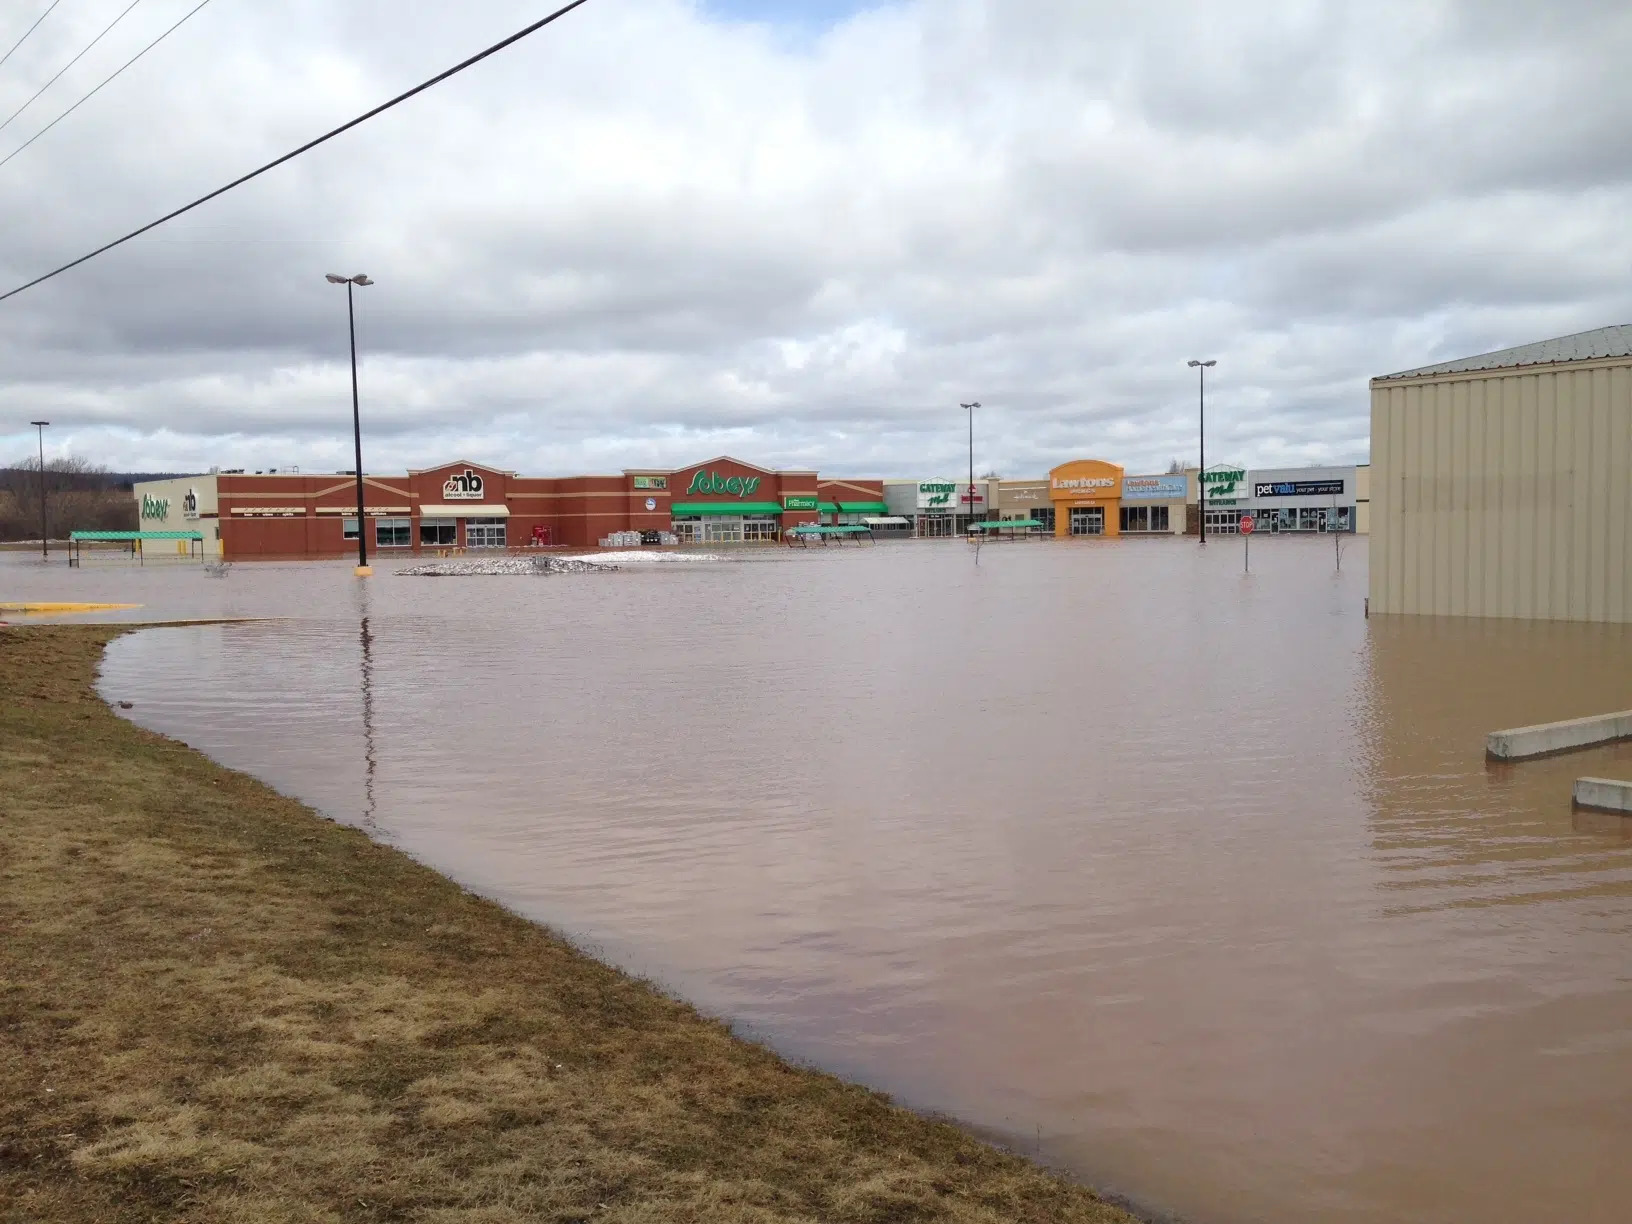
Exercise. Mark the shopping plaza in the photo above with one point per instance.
(468, 506)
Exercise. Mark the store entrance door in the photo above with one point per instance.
(934, 525)
(1087, 520)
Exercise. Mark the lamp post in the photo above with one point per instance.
(970, 409)
(1201, 368)
(45, 548)
(356, 420)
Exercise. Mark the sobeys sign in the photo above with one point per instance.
(731, 486)
(155, 507)
(1225, 483)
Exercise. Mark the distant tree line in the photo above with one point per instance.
(79, 496)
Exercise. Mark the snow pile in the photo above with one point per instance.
(492, 566)
(584, 563)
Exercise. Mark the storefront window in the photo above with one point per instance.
(689, 531)
(1144, 518)
(722, 531)
(393, 533)
(1044, 516)
(484, 533)
(761, 528)
(348, 528)
(438, 533)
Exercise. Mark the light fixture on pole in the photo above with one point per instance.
(970, 409)
(363, 570)
(45, 547)
(1201, 368)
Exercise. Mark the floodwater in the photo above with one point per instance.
(1195, 882)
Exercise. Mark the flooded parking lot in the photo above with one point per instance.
(1195, 881)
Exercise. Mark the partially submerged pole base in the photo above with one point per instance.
(363, 571)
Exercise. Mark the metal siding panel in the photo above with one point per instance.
(1414, 523)
(1597, 508)
(1580, 469)
(1479, 524)
(1546, 513)
(1378, 553)
(1495, 541)
(1406, 448)
(1512, 491)
(1456, 560)
(1394, 497)
(1524, 537)
(1439, 486)
(1618, 501)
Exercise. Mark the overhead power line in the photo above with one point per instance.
(309, 145)
(27, 32)
(69, 64)
(98, 89)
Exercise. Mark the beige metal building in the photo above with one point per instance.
(1501, 485)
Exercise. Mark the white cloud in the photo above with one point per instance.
(648, 234)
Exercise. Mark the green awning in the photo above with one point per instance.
(135, 535)
(828, 507)
(864, 507)
(721, 509)
(1010, 525)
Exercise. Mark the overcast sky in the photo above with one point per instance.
(799, 231)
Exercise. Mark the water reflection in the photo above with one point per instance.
(1195, 879)
(365, 641)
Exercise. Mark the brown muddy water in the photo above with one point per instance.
(1195, 882)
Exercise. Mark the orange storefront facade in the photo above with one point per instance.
(1087, 498)
(468, 506)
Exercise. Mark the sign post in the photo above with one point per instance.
(1248, 526)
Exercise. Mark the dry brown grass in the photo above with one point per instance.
(215, 1005)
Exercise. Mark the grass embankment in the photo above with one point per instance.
(216, 1005)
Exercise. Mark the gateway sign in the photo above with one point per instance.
(1224, 483)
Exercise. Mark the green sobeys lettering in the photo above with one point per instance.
(713, 482)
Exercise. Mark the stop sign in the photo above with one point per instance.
(1247, 525)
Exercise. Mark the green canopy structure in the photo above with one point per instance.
(721, 509)
(134, 540)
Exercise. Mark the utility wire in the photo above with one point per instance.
(98, 89)
(27, 32)
(69, 64)
(309, 145)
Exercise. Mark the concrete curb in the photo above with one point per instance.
(1545, 739)
(1603, 795)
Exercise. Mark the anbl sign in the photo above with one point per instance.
(730, 486)
(464, 486)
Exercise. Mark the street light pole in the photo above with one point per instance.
(45, 547)
(363, 570)
(970, 409)
(1201, 368)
